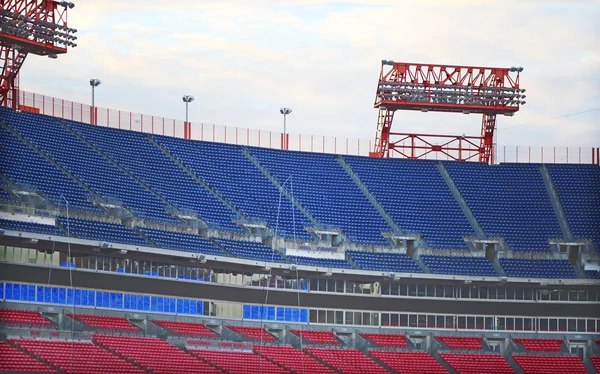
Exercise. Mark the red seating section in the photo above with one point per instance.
(155, 354)
(105, 323)
(253, 333)
(186, 328)
(84, 356)
(596, 362)
(238, 361)
(465, 363)
(547, 364)
(386, 340)
(12, 359)
(317, 337)
(540, 345)
(409, 362)
(349, 361)
(461, 342)
(292, 359)
(23, 318)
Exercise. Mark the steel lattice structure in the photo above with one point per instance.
(36, 27)
(444, 88)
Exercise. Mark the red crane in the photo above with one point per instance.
(38, 27)
(444, 88)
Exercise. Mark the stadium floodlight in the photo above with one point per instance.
(94, 83)
(187, 99)
(285, 112)
(67, 4)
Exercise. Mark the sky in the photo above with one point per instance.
(243, 60)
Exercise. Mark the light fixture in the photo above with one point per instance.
(285, 112)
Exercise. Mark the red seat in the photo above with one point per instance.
(596, 362)
(540, 345)
(317, 337)
(237, 361)
(23, 318)
(105, 323)
(408, 362)
(349, 361)
(549, 364)
(477, 362)
(461, 342)
(255, 334)
(292, 359)
(186, 328)
(12, 359)
(386, 340)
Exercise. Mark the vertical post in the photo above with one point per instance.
(542, 155)
(529, 154)
(93, 106)
(323, 143)
(567, 155)
(285, 145)
(579, 161)
(213, 130)
(517, 148)
(555, 155)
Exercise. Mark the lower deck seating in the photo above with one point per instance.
(255, 334)
(538, 268)
(386, 340)
(384, 261)
(540, 345)
(250, 250)
(77, 356)
(407, 362)
(13, 360)
(547, 364)
(186, 328)
(348, 361)
(181, 241)
(105, 323)
(291, 359)
(592, 274)
(23, 318)
(462, 265)
(238, 362)
(596, 362)
(101, 230)
(317, 337)
(39, 228)
(477, 362)
(461, 342)
(320, 262)
(155, 354)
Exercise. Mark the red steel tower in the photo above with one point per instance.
(38, 27)
(444, 88)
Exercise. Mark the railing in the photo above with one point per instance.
(272, 139)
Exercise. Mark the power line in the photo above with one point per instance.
(550, 119)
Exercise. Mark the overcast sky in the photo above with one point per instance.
(244, 59)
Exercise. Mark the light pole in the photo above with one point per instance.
(285, 112)
(187, 129)
(94, 83)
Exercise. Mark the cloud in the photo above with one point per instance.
(243, 60)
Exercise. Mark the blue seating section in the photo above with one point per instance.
(320, 262)
(325, 189)
(30, 227)
(250, 250)
(578, 188)
(181, 241)
(417, 198)
(592, 274)
(137, 154)
(384, 261)
(101, 231)
(5, 196)
(537, 268)
(22, 165)
(508, 200)
(460, 265)
(228, 170)
(271, 313)
(88, 165)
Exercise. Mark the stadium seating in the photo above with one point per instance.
(548, 364)
(384, 261)
(477, 362)
(31, 227)
(223, 166)
(508, 200)
(596, 362)
(348, 361)
(409, 190)
(20, 317)
(407, 362)
(238, 361)
(162, 175)
(105, 323)
(462, 265)
(101, 230)
(316, 337)
(181, 241)
(5, 196)
(89, 166)
(327, 191)
(386, 340)
(186, 328)
(592, 274)
(250, 250)
(14, 360)
(320, 262)
(578, 188)
(154, 354)
(292, 359)
(461, 342)
(537, 268)
(540, 345)
(255, 334)
(77, 356)
(24, 166)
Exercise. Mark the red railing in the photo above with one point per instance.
(271, 139)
